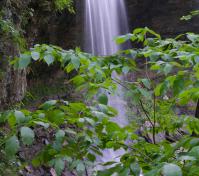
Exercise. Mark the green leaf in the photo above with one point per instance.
(109, 163)
(124, 172)
(55, 116)
(186, 18)
(146, 83)
(12, 121)
(3, 118)
(178, 85)
(12, 146)
(122, 39)
(49, 59)
(138, 30)
(108, 172)
(60, 135)
(20, 117)
(91, 157)
(187, 158)
(152, 32)
(70, 131)
(135, 169)
(69, 67)
(75, 61)
(35, 55)
(24, 61)
(48, 104)
(145, 93)
(45, 125)
(125, 69)
(193, 171)
(192, 37)
(167, 69)
(194, 142)
(172, 170)
(80, 167)
(153, 172)
(196, 59)
(78, 80)
(90, 121)
(161, 88)
(27, 135)
(59, 166)
(103, 99)
(194, 152)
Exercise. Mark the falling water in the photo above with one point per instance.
(105, 20)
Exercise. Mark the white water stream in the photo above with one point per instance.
(105, 20)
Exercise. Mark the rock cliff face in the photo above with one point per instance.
(163, 16)
(65, 29)
(12, 82)
(38, 23)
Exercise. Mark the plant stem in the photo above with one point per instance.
(146, 113)
(197, 110)
(141, 104)
(154, 118)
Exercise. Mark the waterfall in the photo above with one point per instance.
(105, 20)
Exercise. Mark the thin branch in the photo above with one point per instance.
(141, 104)
(135, 149)
(86, 170)
(154, 118)
(146, 70)
(154, 103)
(146, 113)
(197, 110)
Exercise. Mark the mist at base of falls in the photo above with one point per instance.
(104, 21)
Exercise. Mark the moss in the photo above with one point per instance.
(9, 30)
(2, 73)
(62, 4)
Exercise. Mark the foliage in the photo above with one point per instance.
(75, 128)
(7, 28)
(169, 70)
(15, 32)
(62, 4)
(191, 15)
(57, 5)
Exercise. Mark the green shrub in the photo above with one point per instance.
(81, 129)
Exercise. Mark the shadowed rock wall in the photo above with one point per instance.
(12, 82)
(163, 16)
(38, 22)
